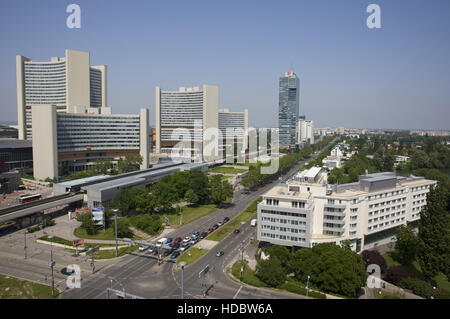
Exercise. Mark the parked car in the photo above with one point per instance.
(219, 253)
(184, 246)
(175, 254)
(195, 234)
(177, 240)
(161, 242)
(237, 231)
(167, 252)
(203, 235)
(215, 226)
(151, 249)
(169, 240)
(175, 246)
(210, 230)
(194, 241)
(226, 219)
(186, 239)
(142, 248)
(219, 224)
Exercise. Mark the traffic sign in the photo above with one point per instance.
(93, 250)
(203, 272)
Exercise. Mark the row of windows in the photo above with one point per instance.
(386, 224)
(386, 216)
(388, 194)
(284, 229)
(398, 200)
(283, 221)
(283, 237)
(274, 212)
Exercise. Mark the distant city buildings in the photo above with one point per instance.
(307, 211)
(288, 110)
(68, 83)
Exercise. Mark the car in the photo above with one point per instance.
(219, 253)
(210, 230)
(175, 246)
(194, 241)
(215, 226)
(175, 254)
(151, 249)
(186, 239)
(226, 219)
(219, 224)
(142, 248)
(161, 242)
(203, 235)
(195, 234)
(167, 252)
(177, 240)
(237, 231)
(184, 246)
(169, 240)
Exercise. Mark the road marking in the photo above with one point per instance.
(237, 292)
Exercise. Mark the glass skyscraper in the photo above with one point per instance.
(288, 109)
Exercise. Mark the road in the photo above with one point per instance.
(140, 274)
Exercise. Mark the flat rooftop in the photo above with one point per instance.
(282, 191)
(13, 143)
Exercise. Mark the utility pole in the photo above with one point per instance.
(52, 264)
(25, 244)
(307, 285)
(182, 264)
(115, 222)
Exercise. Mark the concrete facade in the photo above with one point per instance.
(305, 212)
(64, 82)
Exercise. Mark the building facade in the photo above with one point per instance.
(305, 131)
(67, 83)
(234, 128)
(288, 110)
(307, 211)
(15, 155)
(182, 115)
(74, 141)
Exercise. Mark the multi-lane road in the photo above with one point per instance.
(140, 274)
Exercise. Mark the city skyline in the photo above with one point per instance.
(351, 76)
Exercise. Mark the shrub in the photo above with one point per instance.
(395, 274)
(419, 287)
(271, 272)
(374, 257)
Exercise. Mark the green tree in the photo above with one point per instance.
(200, 185)
(271, 272)
(87, 223)
(281, 253)
(130, 163)
(434, 235)
(165, 195)
(191, 197)
(102, 166)
(406, 244)
(331, 268)
(123, 201)
(122, 229)
(220, 191)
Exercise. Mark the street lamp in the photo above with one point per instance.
(123, 288)
(25, 243)
(115, 226)
(52, 264)
(182, 264)
(307, 285)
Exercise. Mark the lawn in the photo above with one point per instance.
(415, 271)
(195, 253)
(111, 253)
(227, 170)
(109, 234)
(234, 223)
(190, 214)
(14, 288)
(57, 240)
(379, 294)
(248, 275)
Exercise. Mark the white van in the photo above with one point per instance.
(161, 242)
(253, 223)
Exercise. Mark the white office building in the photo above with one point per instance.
(74, 141)
(68, 83)
(182, 115)
(234, 128)
(305, 131)
(306, 210)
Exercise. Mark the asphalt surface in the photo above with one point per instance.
(139, 273)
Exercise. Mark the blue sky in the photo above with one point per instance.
(394, 77)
